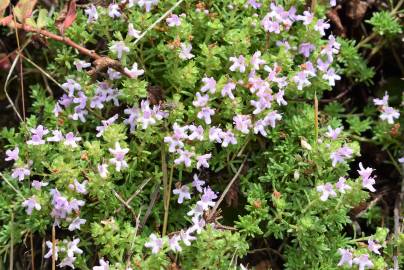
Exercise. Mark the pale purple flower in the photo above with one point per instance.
(37, 134)
(173, 20)
(272, 117)
(31, 204)
(71, 85)
(363, 262)
(20, 172)
(49, 244)
(134, 72)
(270, 25)
(183, 193)
(91, 12)
(341, 185)
(105, 124)
(306, 49)
(197, 133)
(207, 199)
(154, 243)
(119, 47)
(242, 123)
(80, 64)
(320, 26)
(256, 60)
(301, 80)
(147, 4)
(367, 180)
(38, 184)
(306, 18)
(72, 248)
(79, 187)
(227, 90)
(119, 157)
(326, 191)
(197, 210)
(340, 155)
(382, 102)
(389, 113)
(81, 100)
(198, 224)
(79, 114)
(374, 247)
(309, 69)
(209, 85)
(184, 157)
(323, 65)
(201, 101)
(198, 183)
(76, 223)
(12, 154)
(215, 134)
(333, 133)
(173, 243)
(254, 4)
(103, 170)
(346, 257)
(205, 114)
(175, 140)
(238, 63)
(186, 237)
(259, 127)
(67, 261)
(113, 11)
(279, 98)
(185, 52)
(104, 265)
(333, 3)
(57, 136)
(331, 76)
(57, 110)
(113, 74)
(401, 160)
(70, 140)
(228, 138)
(132, 31)
(283, 43)
(202, 161)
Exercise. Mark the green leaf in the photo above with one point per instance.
(42, 18)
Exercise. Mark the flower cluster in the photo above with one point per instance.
(387, 113)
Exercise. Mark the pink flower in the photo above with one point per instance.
(155, 243)
(134, 72)
(119, 155)
(12, 154)
(327, 191)
(346, 257)
(202, 161)
(242, 123)
(173, 20)
(31, 204)
(341, 186)
(205, 114)
(183, 193)
(209, 85)
(238, 63)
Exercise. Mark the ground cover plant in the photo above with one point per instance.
(201, 135)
